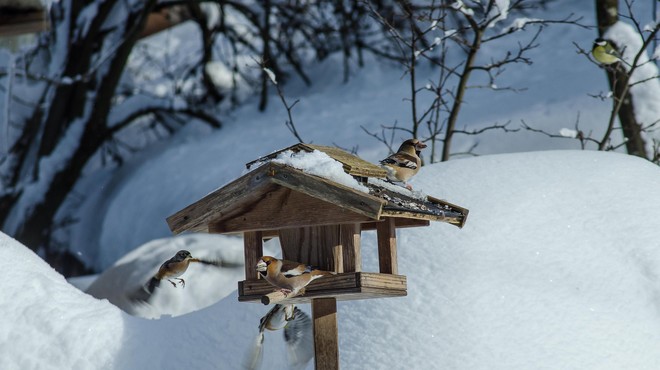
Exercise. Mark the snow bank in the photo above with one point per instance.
(556, 268)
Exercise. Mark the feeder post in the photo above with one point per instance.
(350, 247)
(253, 249)
(387, 258)
(326, 343)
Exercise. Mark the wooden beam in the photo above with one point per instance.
(350, 244)
(326, 342)
(15, 20)
(198, 216)
(282, 208)
(344, 287)
(328, 191)
(398, 222)
(252, 250)
(387, 257)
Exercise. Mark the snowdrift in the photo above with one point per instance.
(557, 267)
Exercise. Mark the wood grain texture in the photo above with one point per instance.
(353, 165)
(319, 246)
(328, 191)
(326, 342)
(350, 239)
(387, 254)
(343, 287)
(197, 216)
(282, 208)
(252, 251)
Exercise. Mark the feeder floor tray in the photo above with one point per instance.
(343, 286)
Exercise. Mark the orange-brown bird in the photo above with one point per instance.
(405, 163)
(290, 277)
(171, 270)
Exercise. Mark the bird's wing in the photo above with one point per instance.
(217, 262)
(299, 340)
(290, 268)
(401, 160)
(275, 319)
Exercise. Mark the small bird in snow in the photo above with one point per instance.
(290, 277)
(405, 163)
(605, 52)
(298, 336)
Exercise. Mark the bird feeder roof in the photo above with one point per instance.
(353, 165)
(275, 196)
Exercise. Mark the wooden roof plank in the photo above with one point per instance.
(353, 165)
(198, 215)
(282, 208)
(329, 191)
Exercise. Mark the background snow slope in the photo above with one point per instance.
(556, 268)
(331, 112)
(557, 87)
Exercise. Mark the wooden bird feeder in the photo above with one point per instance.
(318, 222)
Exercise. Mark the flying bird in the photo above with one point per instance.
(298, 336)
(405, 163)
(170, 270)
(290, 277)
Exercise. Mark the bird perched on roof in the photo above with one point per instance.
(298, 336)
(290, 277)
(605, 52)
(405, 163)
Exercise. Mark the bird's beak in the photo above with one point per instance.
(261, 266)
(420, 145)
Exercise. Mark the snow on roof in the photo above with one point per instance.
(319, 164)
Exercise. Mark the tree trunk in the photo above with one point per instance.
(607, 14)
(89, 100)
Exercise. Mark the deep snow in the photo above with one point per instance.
(557, 268)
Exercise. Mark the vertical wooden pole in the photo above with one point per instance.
(350, 244)
(326, 342)
(387, 259)
(253, 249)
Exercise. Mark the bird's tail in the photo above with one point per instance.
(152, 284)
(256, 355)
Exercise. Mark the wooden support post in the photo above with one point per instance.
(326, 343)
(253, 249)
(387, 247)
(350, 244)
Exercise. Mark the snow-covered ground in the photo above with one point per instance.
(557, 268)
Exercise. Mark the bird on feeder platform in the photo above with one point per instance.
(290, 277)
(298, 336)
(405, 163)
